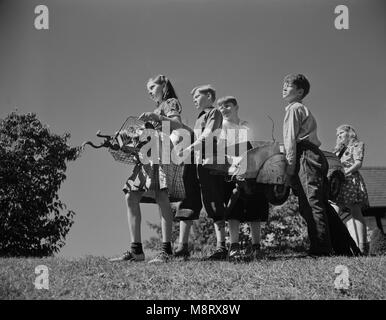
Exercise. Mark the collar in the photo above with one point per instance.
(206, 110)
(291, 104)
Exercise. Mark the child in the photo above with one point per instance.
(253, 207)
(148, 182)
(307, 166)
(208, 122)
(307, 174)
(353, 195)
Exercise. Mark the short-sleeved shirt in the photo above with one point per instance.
(210, 118)
(353, 152)
(169, 108)
(234, 139)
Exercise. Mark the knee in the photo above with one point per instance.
(220, 224)
(132, 199)
(162, 196)
(356, 212)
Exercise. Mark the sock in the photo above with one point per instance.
(182, 247)
(167, 247)
(221, 245)
(136, 248)
(235, 246)
(364, 248)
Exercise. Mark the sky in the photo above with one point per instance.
(88, 72)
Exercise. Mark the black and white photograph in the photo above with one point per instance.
(197, 157)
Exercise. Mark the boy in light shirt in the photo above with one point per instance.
(252, 208)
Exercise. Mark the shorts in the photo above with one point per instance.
(212, 192)
(248, 207)
(190, 207)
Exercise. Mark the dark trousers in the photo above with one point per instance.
(325, 229)
(309, 184)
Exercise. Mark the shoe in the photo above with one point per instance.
(235, 255)
(162, 257)
(218, 255)
(252, 253)
(364, 248)
(318, 254)
(182, 253)
(129, 256)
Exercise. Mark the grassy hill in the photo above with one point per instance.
(277, 276)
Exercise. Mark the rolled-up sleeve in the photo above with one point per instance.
(172, 108)
(291, 127)
(358, 151)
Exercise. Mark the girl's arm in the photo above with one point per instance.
(354, 168)
(175, 121)
(358, 153)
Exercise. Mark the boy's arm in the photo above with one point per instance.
(291, 128)
(213, 123)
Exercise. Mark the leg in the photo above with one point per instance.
(357, 228)
(134, 219)
(312, 202)
(234, 229)
(185, 226)
(253, 252)
(134, 215)
(162, 199)
(318, 241)
(189, 208)
(219, 227)
(234, 250)
(255, 227)
(183, 249)
(212, 189)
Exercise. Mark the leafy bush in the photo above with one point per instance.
(285, 227)
(378, 243)
(33, 221)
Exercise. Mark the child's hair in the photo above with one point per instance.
(168, 90)
(300, 81)
(205, 89)
(223, 100)
(353, 137)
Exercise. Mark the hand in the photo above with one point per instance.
(183, 152)
(289, 180)
(149, 116)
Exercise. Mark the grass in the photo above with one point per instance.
(277, 276)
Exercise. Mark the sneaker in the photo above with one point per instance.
(162, 257)
(129, 256)
(318, 254)
(252, 253)
(182, 253)
(235, 255)
(219, 254)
